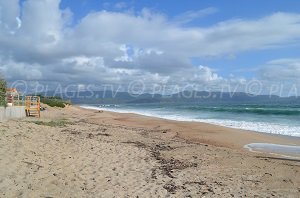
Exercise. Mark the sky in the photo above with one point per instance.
(152, 46)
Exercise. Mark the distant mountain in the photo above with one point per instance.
(110, 97)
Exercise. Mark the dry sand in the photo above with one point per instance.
(86, 153)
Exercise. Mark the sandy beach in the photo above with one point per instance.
(74, 152)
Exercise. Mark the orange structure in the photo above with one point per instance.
(32, 106)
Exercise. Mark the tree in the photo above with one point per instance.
(2, 92)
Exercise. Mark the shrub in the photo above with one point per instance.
(2, 92)
(54, 101)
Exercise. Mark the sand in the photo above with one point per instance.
(73, 152)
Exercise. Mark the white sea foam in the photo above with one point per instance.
(289, 151)
(264, 127)
(257, 126)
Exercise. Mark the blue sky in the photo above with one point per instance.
(226, 9)
(206, 44)
(229, 9)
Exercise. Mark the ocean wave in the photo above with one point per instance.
(252, 110)
(265, 127)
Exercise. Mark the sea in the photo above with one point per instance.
(271, 117)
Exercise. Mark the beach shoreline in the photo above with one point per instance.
(259, 118)
(75, 152)
(239, 140)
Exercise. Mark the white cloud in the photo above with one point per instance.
(116, 47)
(191, 15)
(9, 12)
(17, 70)
(281, 70)
(120, 5)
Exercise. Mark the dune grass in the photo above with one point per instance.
(54, 101)
(53, 123)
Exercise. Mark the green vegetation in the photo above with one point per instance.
(2, 92)
(54, 101)
(53, 123)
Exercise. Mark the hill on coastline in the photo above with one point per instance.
(110, 97)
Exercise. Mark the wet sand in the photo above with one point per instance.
(74, 152)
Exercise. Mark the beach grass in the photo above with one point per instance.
(53, 123)
(54, 102)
